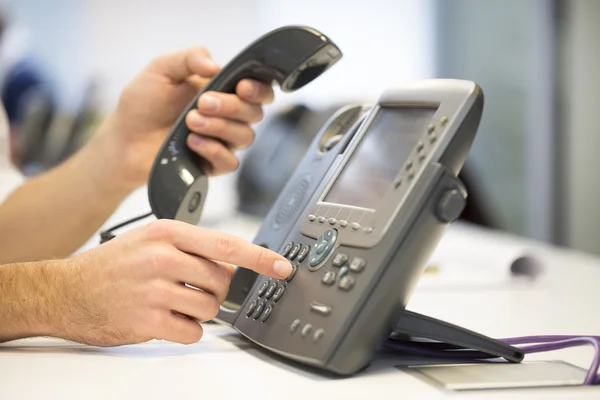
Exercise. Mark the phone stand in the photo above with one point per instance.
(415, 327)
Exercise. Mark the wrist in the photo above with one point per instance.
(108, 157)
(32, 299)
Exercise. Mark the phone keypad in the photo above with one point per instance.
(271, 290)
(294, 252)
(303, 253)
(263, 288)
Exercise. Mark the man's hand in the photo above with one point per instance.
(151, 103)
(133, 288)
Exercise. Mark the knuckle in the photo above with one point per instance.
(157, 292)
(212, 150)
(218, 125)
(158, 230)
(159, 256)
(156, 320)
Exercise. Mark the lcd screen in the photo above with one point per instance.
(383, 150)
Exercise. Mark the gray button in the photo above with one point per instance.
(321, 247)
(421, 156)
(325, 244)
(320, 308)
(294, 251)
(312, 217)
(451, 205)
(278, 293)
(271, 290)
(259, 310)
(409, 165)
(431, 128)
(347, 283)
(287, 249)
(355, 226)
(340, 259)
(322, 219)
(330, 234)
(293, 274)
(368, 229)
(343, 223)
(303, 253)
(266, 314)
(420, 146)
(332, 221)
(329, 278)
(263, 288)
(343, 272)
(318, 334)
(397, 184)
(357, 264)
(411, 175)
(306, 329)
(432, 138)
(294, 326)
(251, 308)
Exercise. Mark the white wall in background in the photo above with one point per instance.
(384, 43)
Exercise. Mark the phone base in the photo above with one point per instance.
(440, 335)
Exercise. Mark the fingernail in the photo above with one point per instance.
(282, 268)
(210, 103)
(196, 140)
(197, 120)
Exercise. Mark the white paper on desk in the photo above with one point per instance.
(470, 257)
(501, 375)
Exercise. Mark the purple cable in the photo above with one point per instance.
(533, 344)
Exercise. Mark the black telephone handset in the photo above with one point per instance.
(292, 56)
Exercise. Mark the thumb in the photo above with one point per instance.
(179, 66)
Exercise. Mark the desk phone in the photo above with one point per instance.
(359, 220)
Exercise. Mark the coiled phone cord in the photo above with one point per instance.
(532, 344)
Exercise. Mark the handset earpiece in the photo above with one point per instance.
(292, 56)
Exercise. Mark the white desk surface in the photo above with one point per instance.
(478, 294)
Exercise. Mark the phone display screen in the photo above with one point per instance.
(383, 150)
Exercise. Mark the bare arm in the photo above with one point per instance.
(130, 290)
(30, 299)
(52, 215)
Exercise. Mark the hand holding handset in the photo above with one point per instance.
(292, 56)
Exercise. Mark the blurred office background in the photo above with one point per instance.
(532, 168)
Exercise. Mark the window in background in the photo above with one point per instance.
(507, 47)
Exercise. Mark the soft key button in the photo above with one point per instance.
(320, 308)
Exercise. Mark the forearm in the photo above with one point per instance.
(30, 299)
(52, 215)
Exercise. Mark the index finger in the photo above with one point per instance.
(220, 246)
(181, 65)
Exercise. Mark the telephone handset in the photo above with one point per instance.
(359, 220)
(292, 56)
